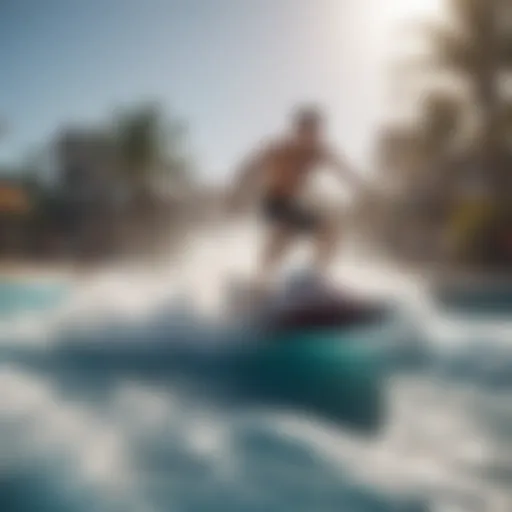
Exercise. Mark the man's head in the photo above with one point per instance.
(308, 124)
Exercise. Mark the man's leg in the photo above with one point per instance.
(327, 237)
(276, 244)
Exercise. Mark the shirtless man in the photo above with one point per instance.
(282, 167)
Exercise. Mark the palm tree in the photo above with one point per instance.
(415, 156)
(473, 49)
(414, 151)
(476, 47)
(148, 145)
(152, 162)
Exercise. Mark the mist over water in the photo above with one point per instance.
(79, 432)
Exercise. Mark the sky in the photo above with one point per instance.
(231, 69)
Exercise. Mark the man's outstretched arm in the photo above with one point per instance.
(246, 175)
(339, 163)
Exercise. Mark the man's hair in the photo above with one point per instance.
(307, 115)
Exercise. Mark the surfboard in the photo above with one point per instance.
(330, 372)
(304, 302)
(318, 349)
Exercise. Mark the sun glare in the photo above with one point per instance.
(403, 10)
(400, 17)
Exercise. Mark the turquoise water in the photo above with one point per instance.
(25, 296)
(160, 413)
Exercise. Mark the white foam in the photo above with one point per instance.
(435, 445)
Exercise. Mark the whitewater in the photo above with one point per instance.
(74, 439)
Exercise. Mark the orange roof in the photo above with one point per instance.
(13, 200)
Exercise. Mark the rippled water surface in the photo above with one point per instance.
(139, 421)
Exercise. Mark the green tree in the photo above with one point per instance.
(468, 127)
(475, 47)
(150, 149)
(152, 164)
(413, 153)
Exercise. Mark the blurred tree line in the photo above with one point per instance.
(134, 202)
(451, 166)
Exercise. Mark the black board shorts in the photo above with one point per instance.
(288, 213)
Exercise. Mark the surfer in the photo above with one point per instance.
(281, 166)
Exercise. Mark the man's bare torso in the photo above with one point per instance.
(287, 165)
